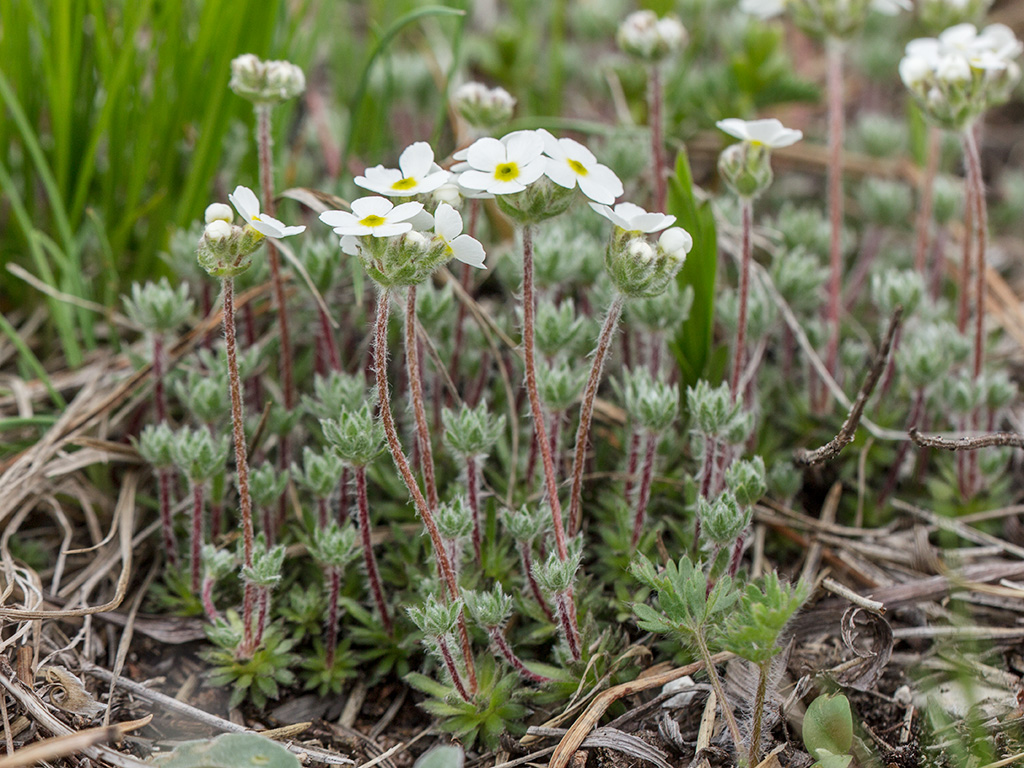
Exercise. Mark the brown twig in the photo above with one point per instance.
(967, 443)
(846, 433)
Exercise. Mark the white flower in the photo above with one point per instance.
(504, 167)
(763, 9)
(218, 229)
(416, 174)
(891, 7)
(375, 216)
(770, 132)
(644, 35)
(572, 163)
(483, 107)
(265, 82)
(676, 242)
(633, 218)
(218, 212)
(448, 226)
(248, 207)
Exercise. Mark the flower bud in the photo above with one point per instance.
(334, 393)
(217, 563)
(722, 520)
(490, 609)
(880, 135)
(155, 445)
(557, 328)
(320, 472)
(218, 212)
(639, 269)
(885, 202)
(746, 480)
(455, 519)
(894, 287)
(265, 82)
(436, 619)
(539, 202)
(265, 570)
(654, 405)
(356, 436)
(266, 485)
(198, 454)
(746, 168)
(482, 107)
(205, 395)
(560, 384)
(649, 38)
(334, 546)
(524, 524)
(157, 307)
(947, 198)
(556, 576)
(472, 432)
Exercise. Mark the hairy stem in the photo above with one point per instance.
(473, 495)
(241, 459)
(509, 655)
(746, 209)
(372, 574)
(611, 322)
(834, 88)
(924, 212)
(536, 407)
(644, 497)
(716, 683)
(334, 578)
(163, 476)
(380, 355)
(413, 371)
(197, 533)
(453, 670)
(567, 621)
(207, 597)
(759, 697)
(975, 180)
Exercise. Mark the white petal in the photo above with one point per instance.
(392, 229)
(404, 212)
(605, 177)
(371, 206)
(676, 239)
(763, 131)
(476, 180)
(605, 211)
(245, 202)
(532, 171)
(524, 146)
(422, 221)
(558, 170)
(484, 154)
(378, 179)
(469, 251)
(416, 159)
(349, 245)
(338, 218)
(433, 181)
(504, 187)
(460, 154)
(551, 147)
(577, 152)
(734, 127)
(447, 222)
(595, 190)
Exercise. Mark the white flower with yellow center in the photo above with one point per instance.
(506, 166)
(248, 207)
(633, 218)
(376, 216)
(448, 226)
(572, 164)
(416, 174)
(769, 133)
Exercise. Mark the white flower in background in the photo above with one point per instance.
(376, 216)
(650, 38)
(763, 9)
(573, 164)
(248, 207)
(448, 226)
(770, 132)
(503, 167)
(633, 218)
(218, 212)
(265, 82)
(483, 107)
(417, 174)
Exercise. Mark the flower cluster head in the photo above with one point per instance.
(649, 38)
(482, 107)
(637, 267)
(265, 82)
(534, 174)
(825, 18)
(225, 249)
(394, 242)
(417, 174)
(938, 14)
(158, 307)
(746, 166)
(961, 73)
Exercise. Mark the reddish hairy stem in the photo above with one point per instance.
(334, 576)
(197, 533)
(380, 348)
(453, 670)
(975, 180)
(241, 459)
(473, 495)
(633, 463)
(536, 408)
(834, 88)
(163, 475)
(527, 561)
(746, 209)
(207, 597)
(611, 321)
(372, 575)
(924, 211)
(567, 621)
(412, 366)
(327, 340)
(509, 655)
(645, 488)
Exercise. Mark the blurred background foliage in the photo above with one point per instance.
(118, 126)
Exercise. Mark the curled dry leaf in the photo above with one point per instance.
(869, 636)
(67, 692)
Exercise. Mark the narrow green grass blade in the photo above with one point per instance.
(30, 360)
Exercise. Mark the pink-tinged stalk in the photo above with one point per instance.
(834, 88)
(163, 476)
(207, 597)
(197, 533)
(611, 322)
(916, 412)
(980, 233)
(746, 209)
(737, 554)
(329, 348)
(966, 259)
(536, 408)
(414, 372)
(263, 597)
(241, 460)
(473, 495)
(323, 514)
(453, 670)
(632, 463)
(334, 579)
(645, 488)
(370, 561)
(657, 143)
(402, 464)
(509, 655)
(924, 212)
(567, 620)
(527, 562)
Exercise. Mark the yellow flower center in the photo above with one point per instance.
(403, 184)
(578, 167)
(372, 220)
(506, 171)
